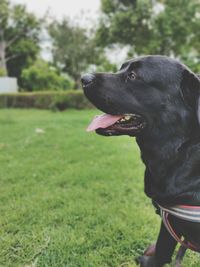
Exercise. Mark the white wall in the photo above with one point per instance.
(8, 85)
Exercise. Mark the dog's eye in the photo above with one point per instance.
(132, 75)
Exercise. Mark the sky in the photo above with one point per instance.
(83, 10)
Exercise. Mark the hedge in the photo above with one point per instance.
(57, 100)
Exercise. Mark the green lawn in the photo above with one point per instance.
(70, 198)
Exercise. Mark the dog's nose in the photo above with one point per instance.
(87, 79)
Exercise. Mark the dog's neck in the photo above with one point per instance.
(162, 144)
(164, 154)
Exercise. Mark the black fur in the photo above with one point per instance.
(167, 94)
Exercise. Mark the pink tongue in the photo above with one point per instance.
(103, 121)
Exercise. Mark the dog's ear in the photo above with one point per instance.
(190, 88)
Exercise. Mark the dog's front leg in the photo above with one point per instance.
(165, 246)
(164, 249)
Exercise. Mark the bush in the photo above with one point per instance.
(41, 76)
(59, 100)
(2, 72)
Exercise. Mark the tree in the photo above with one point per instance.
(152, 27)
(124, 22)
(19, 38)
(73, 51)
(177, 31)
(40, 76)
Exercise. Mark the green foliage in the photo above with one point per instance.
(124, 22)
(2, 72)
(176, 29)
(104, 65)
(69, 198)
(73, 51)
(26, 52)
(41, 76)
(59, 100)
(19, 32)
(152, 27)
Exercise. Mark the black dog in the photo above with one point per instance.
(157, 100)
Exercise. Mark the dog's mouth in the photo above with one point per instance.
(108, 125)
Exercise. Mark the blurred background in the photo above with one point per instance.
(47, 45)
(68, 198)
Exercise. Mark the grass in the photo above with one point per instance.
(69, 198)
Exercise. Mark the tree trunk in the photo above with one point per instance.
(3, 65)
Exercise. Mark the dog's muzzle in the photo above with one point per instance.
(87, 79)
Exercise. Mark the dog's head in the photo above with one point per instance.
(146, 93)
